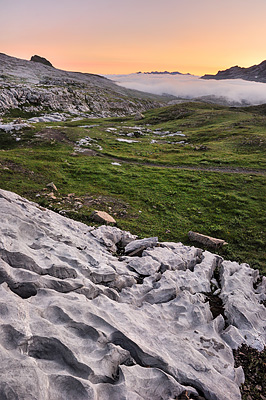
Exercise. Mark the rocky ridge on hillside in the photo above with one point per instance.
(255, 73)
(34, 87)
(94, 313)
(41, 60)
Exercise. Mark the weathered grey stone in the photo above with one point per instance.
(206, 240)
(140, 244)
(145, 265)
(233, 337)
(102, 217)
(111, 236)
(242, 303)
(138, 117)
(167, 258)
(77, 322)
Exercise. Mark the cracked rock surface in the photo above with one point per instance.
(79, 322)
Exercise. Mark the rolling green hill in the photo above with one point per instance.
(191, 166)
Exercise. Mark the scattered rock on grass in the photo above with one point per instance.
(138, 117)
(206, 240)
(102, 217)
(52, 185)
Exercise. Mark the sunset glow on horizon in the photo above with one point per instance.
(120, 37)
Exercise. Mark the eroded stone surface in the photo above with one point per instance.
(243, 308)
(77, 322)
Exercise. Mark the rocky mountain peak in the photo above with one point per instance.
(255, 73)
(41, 60)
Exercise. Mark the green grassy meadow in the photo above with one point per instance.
(210, 177)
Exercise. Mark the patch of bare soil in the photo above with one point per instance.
(72, 203)
(109, 204)
(253, 363)
(228, 170)
(85, 152)
(14, 167)
(52, 134)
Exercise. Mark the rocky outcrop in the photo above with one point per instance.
(35, 87)
(41, 60)
(78, 322)
(255, 73)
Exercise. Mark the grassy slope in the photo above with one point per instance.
(151, 200)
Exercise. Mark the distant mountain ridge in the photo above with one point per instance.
(256, 73)
(162, 73)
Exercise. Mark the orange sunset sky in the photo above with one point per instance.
(119, 37)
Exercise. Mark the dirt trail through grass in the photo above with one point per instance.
(227, 170)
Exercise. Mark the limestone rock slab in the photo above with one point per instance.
(79, 322)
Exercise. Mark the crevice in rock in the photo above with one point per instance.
(216, 306)
(163, 268)
(257, 283)
(68, 387)
(217, 276)
(147, 361)
(22, 289)
(22, 261)
(53, 350)
(25, 290)
(141, 358)
(10, 337)
(138, 252)
(263, 302)
(185, 396)
(60, 272)
(19, 260)
(140, 278)
(120, 249)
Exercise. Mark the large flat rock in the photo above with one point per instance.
(77, 322)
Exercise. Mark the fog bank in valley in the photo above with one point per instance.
(191, 87)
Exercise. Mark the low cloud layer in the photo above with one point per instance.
(190, 87)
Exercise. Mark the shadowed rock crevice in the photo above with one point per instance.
(10, 338)
(53, 350)
(141, 358)
(147, 361)
(24, 290)
(57, 316)
(67, 387)
(216, 305)
(19, 260)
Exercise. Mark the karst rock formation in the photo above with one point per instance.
(80, 321)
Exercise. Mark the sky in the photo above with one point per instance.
(125, 36)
